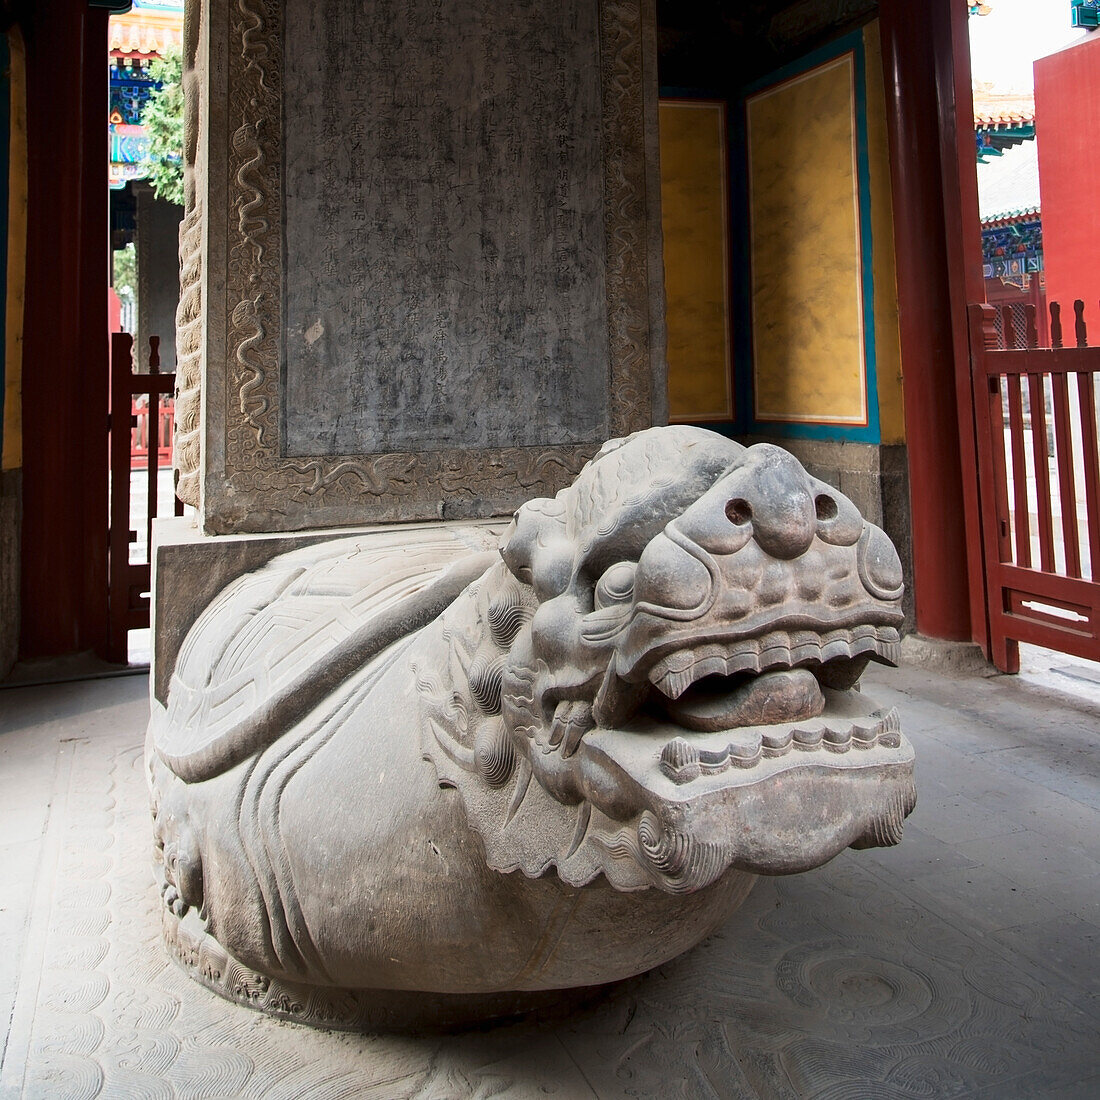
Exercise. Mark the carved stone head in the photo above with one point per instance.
(660, 680)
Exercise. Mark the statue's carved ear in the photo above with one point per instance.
(518, 545)
(535, 547)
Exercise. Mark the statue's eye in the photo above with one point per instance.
(616, 585)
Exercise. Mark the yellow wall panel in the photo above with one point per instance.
(694, 208)
(806, 292)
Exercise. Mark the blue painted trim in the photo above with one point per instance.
(674, 91)
(743, 373)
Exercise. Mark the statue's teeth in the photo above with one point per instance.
(709, 666)
(680, 760)
(805, 648)
(683, 761)
(680, 661)
(834, 649)
(838, 740)
(674, 684)
(674, 674)
(776, 742)
(807, 738)
(890, 736)
(775, 650)
(746, 659)
(866, 737)
(745, 753)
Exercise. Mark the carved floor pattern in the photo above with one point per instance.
(836, 985)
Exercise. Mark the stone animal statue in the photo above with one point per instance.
(402, 779)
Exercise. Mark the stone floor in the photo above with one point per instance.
(966, 962)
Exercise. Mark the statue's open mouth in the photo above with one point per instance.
(734, 712)
(828, 654)
(845, 726)
(778, 678)
(731, 728)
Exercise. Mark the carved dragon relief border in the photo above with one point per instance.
(264, 490)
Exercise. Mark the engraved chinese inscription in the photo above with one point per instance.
(444, 235)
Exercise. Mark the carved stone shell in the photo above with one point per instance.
(268, 628)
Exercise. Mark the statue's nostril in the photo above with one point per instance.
(825, 506)
(739, 512)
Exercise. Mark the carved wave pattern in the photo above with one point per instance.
(829, 985)
(424, 485)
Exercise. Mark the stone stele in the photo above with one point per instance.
(407, 782)
(421, 262)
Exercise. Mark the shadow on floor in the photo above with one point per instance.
(962, 963)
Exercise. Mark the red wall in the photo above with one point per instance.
(1067, 129)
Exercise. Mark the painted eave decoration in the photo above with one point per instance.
(145, 32)
(149, 28)
(1002, 119)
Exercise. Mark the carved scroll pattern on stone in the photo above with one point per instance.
(186, 455)
(625, 212)
(399, 485)
(254, 257)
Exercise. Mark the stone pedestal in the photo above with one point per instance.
(486, 765)
(477, 762)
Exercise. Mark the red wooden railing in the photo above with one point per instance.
(140, 415)
(1039, 474)
(128, 605)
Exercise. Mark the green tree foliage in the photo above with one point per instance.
(162, 118)
(125, 280)
(125, 283)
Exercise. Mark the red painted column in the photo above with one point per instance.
(1067, 90)
(920, 56)
(65, 370)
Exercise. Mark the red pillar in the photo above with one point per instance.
(937, 240)
(65, 370)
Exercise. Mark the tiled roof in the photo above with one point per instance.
(1026, 214)
(145, 32)
(993, 108)
(1008, 185)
